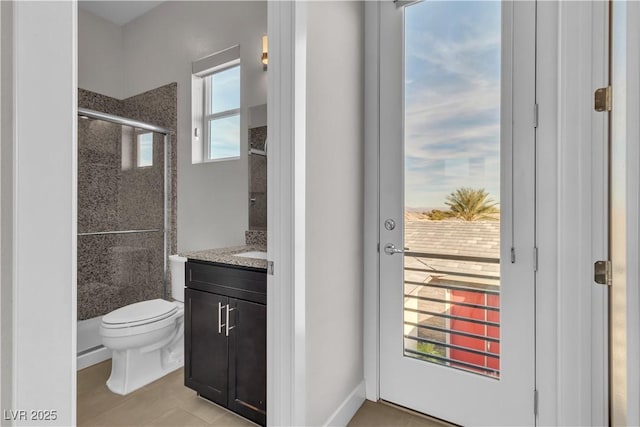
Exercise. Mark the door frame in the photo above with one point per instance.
(21, 178)
(562, 329)
(625, 236)
(572, 332)
(286, 213)
(633, 213)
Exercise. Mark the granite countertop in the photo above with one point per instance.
(227, 256)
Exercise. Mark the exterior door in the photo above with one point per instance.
(457, 209)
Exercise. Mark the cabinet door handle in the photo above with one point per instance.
(229, 309)
(220, 324)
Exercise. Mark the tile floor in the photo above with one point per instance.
(167, 402)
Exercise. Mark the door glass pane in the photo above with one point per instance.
(452, 185)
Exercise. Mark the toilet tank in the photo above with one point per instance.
(176, 264)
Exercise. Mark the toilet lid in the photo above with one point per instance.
(140, 313)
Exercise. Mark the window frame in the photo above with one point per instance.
(208, 117)
(200, 70)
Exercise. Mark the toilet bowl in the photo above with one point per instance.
(147, 337)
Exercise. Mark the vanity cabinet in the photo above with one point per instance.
(225, 336)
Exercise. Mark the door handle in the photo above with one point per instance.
(220, 324)
(391, 249)
(228, 328)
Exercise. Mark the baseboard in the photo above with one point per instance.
(92, 357)
(348, 408)
(89, 334)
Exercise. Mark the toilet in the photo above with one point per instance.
(146, 337)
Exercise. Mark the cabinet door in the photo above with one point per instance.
(248, 360)
(206, 351)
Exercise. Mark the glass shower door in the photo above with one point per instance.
(121, 216)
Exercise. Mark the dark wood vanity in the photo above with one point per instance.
(225, 332)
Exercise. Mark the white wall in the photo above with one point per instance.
(6, 181)
(44, 204)
(100, 55)
(334, 218)
(159, 48)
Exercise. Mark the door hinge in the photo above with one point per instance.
(602, 272)
(513, 255)
(535, 259)
(535, 402)
(602, 99)
(378, 247)
(535, 115)
(270, 268)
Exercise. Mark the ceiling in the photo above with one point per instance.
(118, 12)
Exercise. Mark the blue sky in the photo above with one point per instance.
(224, 132)
(452, 100)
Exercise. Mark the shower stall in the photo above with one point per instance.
(123, 220)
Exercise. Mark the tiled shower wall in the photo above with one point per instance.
(113, 195)
(258, 180)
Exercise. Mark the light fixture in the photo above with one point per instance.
(265, 52)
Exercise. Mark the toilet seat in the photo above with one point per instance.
(140, 313)
(139, 318)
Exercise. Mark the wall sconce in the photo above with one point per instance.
(265, 52)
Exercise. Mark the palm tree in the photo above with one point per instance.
(471, 204)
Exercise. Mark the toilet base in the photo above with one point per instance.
(134, 368)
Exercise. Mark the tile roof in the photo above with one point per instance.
(470, 238)
(460, 238)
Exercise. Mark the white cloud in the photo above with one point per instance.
(452, 109)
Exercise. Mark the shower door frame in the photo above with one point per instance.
(112, 118)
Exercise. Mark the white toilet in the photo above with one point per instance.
(146, 337)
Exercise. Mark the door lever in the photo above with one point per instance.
(391, 249)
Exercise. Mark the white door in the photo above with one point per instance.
(457, 209)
